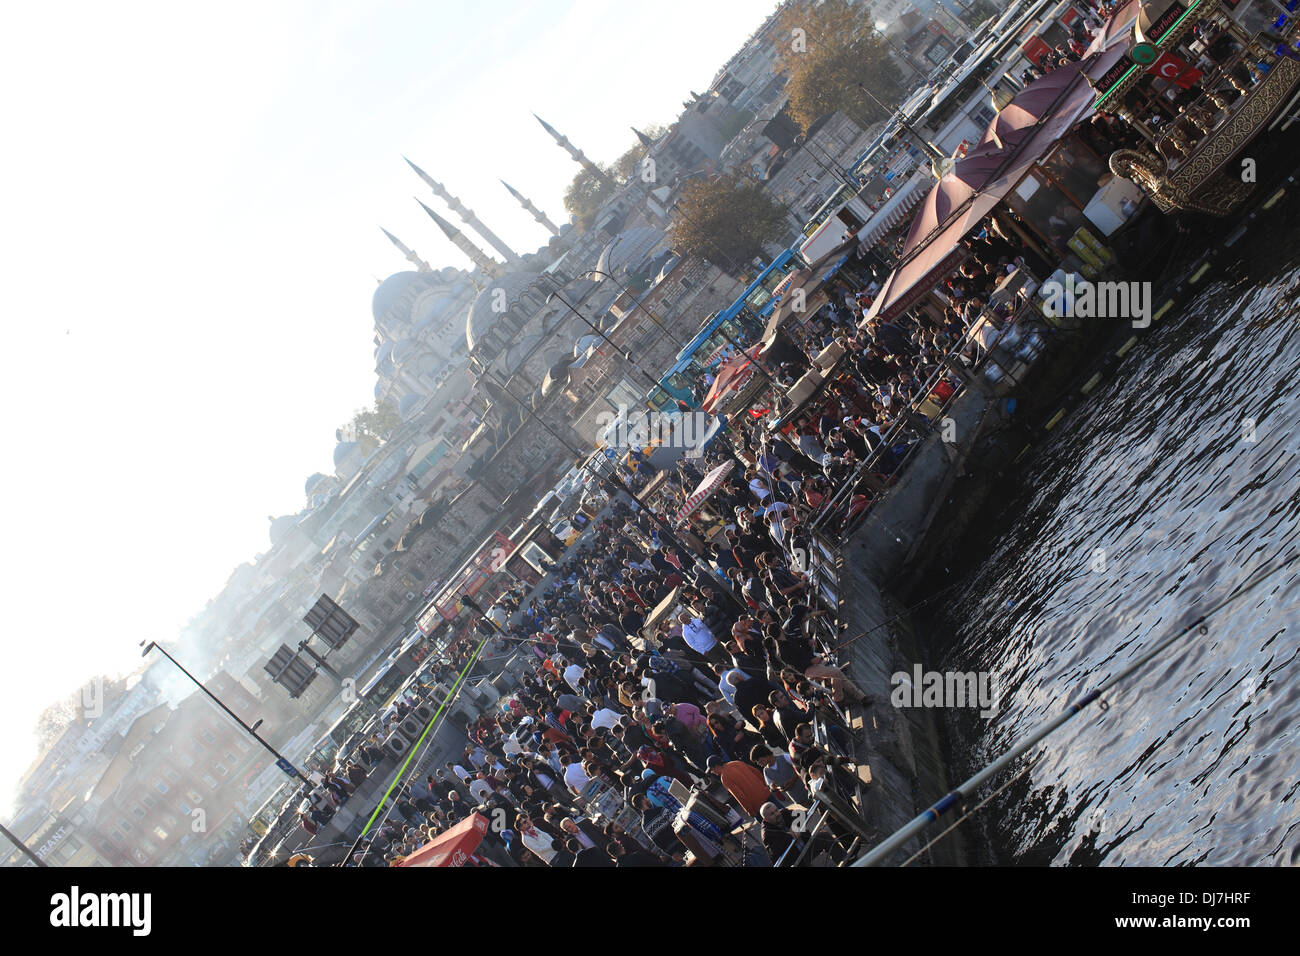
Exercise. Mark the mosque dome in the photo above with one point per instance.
(281, 526)
(390, 291)
(407, 406)
(343, 450)
(557, 376)
(402, 351)
(312, 482)
(629, 249)
(486, 308)
(585, 342)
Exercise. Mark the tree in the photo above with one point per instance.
(829, 51)
(628, 165)
(587, 193)
(975, 12)
(726, 220)
(371, 427)
(83, 704)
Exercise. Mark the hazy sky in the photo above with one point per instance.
(191, 202)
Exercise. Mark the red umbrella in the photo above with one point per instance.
(452, 848)
(711, 483)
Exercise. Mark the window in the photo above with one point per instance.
(231, 758)
(185, 760)
(194, 797)
(150, 801)
(173, 776)
(127, 826)
(209, 780)
(160, 833)
(138, 811)
(186, 808)
(220, 768)
(161, 787)
(209, 736)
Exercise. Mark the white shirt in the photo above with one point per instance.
(697, 634)
(460, 771)
(728, 690)
(575, 778)
(573, 674)
(759, 487)
(540, 843)
(481, 789)
(604, 719)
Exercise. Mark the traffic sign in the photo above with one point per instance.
(287, 767)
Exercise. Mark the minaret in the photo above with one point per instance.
(411, 257)
(645, 140)
(536, 213)
(477, 256)
(577, 154)
(466, 215)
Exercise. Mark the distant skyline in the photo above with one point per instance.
(193, 200)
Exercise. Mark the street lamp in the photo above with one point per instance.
(615, 485)
(280, 760)
(22, 846)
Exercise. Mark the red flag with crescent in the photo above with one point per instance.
(1172, 68)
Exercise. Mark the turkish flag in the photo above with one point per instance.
(1171, 67)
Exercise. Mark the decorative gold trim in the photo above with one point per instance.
(1241, 127)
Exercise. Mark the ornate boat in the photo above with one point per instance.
(1202, 81)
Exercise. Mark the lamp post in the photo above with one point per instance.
(621, 352)
(22, 846)
(929, 148)
(636, 303)
(616, 485)
(281, 761)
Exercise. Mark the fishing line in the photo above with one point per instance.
(956, 797)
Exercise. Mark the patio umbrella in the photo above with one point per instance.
(711, 483)
(452, 848)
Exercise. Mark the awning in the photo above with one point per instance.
(734, 375)
(711, 483)
(1021, 134)
(452, 848)
(897, 206)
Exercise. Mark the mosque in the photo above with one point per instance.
(495, 372)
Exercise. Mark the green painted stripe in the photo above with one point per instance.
(433, 723)
(1054, 420)
(1089, 385)
(1196, 276)
(1123, 349)
(1163, 309)
(1272, 200)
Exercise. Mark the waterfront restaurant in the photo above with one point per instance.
(1038, 175)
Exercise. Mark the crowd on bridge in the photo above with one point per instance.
(591, 761)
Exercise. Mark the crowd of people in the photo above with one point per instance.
(627, 744)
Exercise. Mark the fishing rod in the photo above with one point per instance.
(956, 798)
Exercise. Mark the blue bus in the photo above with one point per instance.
(741, 323)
